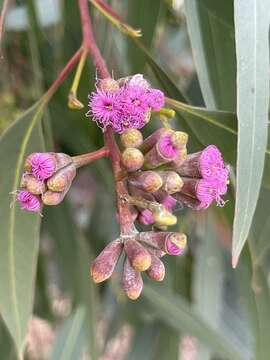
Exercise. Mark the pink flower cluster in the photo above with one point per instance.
(42, 166)
(124, 104)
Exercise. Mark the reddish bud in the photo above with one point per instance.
(53, 198)
(139, 257)
(132, 159)
(132, 283)
(32, 184)
(103, 265)
(131, 138)
(148, 181)
(157, 269)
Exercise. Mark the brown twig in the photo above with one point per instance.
(125, 218)
(86, 159)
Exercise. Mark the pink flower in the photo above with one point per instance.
(211, 163)
(156, 99)
(169, 202)
(43, 165)
(208, 191)
(29, 201)
(167, 148)
(146, 217)
(104, 106)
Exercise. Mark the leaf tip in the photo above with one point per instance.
(234, 261)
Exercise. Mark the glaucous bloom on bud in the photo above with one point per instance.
(62, 179)
(139, 257)
(149, 181)
(170, 242)
(104, 265)
(157, 269)
(132, 283)
(132, 159)
(29, 201)
(131, 138)
(172, 181)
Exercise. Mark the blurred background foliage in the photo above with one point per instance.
(203, 309)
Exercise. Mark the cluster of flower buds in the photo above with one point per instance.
(125, 103)
(46, 179)
(157, 171)
(143, 253)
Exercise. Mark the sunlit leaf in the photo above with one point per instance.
(252, 48)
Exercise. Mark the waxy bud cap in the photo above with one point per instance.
(139, 257)
(149, 181)
(131, 138)
(104, 265)
(157, 269)
(132, 159)
(132, 283)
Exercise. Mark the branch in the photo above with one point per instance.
(86, 159)
(125, 218)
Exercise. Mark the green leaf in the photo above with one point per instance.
(210, 26)
(176, 312)
(71, 339)
(19, 230)
(252, 48)
(138, 12)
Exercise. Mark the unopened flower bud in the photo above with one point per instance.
(171, 242)
(157, 269)
(166, 200)
(32, 184)
(132, 159)
(172, 182)
(108, 84)
(149, 181)
(52, 197)
(139, 257)
(132, 283)
(166, 149)
(104, 265)
(131, 138)
(62, 179)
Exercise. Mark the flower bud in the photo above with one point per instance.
(166, 149)
(33, 185)
(188, 201)
(132, 283)
(148, 181)
(131, 138)
(151, 140)
(157, 269)
(52, 197)
(139, 257)
(171, 242)
(104, 265)
(108, 84)
(172, 182)
(176, 163)
(132, 159)
(62, 179)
